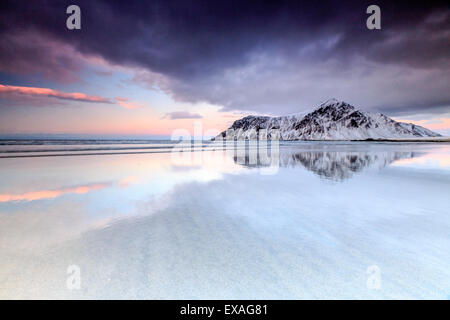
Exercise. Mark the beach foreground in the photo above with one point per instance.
(325, 220)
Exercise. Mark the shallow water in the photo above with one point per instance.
(319, 220)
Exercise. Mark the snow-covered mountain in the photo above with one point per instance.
(332, 120)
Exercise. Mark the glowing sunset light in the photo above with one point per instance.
(433, 124)
(5, 89)
(127, 104)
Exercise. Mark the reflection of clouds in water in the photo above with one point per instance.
(128, 181)
(178, 168)
(431, 160)
(51, 194)
(67, 212)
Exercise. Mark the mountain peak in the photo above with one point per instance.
(334, 107)
(330, 102)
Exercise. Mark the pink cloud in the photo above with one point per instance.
(127, 104)
(12, 91)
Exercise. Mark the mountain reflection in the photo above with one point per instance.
(333, 165)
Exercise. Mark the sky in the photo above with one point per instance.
(150, 68)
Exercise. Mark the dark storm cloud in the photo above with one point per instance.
(250, 55)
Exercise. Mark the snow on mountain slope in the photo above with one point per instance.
(332, 120)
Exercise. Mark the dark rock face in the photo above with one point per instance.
(250, 122)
